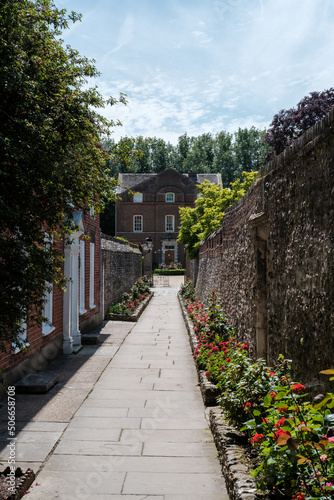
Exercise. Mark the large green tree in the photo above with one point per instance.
(50, 150)
(197, 223)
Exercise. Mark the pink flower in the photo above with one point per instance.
(331, 439)
(323, 457)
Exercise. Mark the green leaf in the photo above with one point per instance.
(267, 400)
(256, 413)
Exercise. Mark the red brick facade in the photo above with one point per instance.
(156, 213)
(44, 344)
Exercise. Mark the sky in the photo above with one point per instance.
(203, 66)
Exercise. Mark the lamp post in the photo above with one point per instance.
(146, 249)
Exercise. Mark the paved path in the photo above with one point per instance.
(141, 432)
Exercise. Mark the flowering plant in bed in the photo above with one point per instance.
(131, 300)
(293, 436)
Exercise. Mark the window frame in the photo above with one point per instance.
(82, 300)
(168, 218)
(91, 275)
(136, 196)
(170, 194)
(47, 326)
(136, 218)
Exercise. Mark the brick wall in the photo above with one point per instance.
(121, 267)
(272, 262)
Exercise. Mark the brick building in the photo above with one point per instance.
(70, 313)
(148, 206)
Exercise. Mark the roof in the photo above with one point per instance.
(130, 181)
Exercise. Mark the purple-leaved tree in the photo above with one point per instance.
(288, 124)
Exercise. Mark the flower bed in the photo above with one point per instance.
(133, 303)
(293, 437)
(15, 487)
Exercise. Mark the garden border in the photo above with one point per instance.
(131, 317)
(232, 456)
(24, 482)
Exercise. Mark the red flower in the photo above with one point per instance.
(273, 394)
(279, 433)
(257, 438)
(298, 496)
(272, 374)
(280, 423)
(282, 410)
(298, 388)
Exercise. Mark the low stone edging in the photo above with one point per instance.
(232, 455)
(23, 481)
(131, 317)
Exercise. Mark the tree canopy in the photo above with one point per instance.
(289, 124)
(51, 155)
(224, 153)
(197, 223)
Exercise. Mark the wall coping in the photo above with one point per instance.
(117, 244)
(307, 141)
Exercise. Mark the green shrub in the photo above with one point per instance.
(131, 300)
(169, 272)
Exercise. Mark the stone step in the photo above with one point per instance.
(90, 338)
(36, 383)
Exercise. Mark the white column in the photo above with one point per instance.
(67, 338)
(75, 332)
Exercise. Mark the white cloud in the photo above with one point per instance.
(193, 66)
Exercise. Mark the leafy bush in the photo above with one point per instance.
(187, 291)
(131, 300)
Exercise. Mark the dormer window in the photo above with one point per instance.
(170, 197)
(138, 198)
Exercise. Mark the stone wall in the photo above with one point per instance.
(121, 267)
(271, 261)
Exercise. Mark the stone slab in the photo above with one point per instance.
(178, 449)
(97, 448)
(68, 486)
(91, 434)
(133, 464)
(166, 483)
(36, 383)
(104, 423)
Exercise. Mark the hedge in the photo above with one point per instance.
(169, 272)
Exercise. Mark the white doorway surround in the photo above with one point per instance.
(71, 332)
(169, 250)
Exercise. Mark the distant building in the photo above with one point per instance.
(152, 211)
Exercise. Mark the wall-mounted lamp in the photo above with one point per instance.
(148, 247)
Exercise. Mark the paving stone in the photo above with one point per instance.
(165, 483)
(98, 448)
(178, 449)
(104, 423)
(166, 436)
(133, 464)
(68, 486)
(91, 434)
(86, 411)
